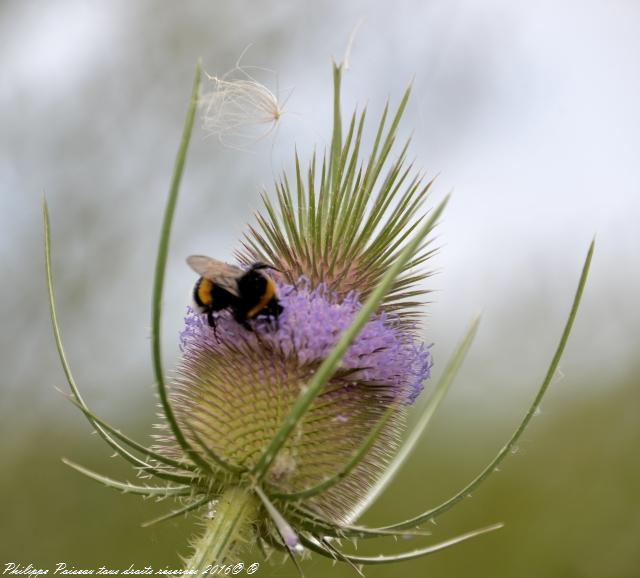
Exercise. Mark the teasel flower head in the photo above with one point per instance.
(280, 430)
(233, 386)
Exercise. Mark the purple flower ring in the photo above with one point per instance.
(234, 387)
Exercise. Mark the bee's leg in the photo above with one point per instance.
(212, 323)
(277, 309)
(241, 317)
(271, 313)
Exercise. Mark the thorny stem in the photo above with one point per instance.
(228, 529)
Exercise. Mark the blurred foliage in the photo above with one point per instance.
(568, 498)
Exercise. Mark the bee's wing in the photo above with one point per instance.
(222, 274)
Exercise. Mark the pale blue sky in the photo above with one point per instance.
(529, 112)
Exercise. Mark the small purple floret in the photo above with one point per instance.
(309, 327)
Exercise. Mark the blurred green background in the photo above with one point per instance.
(529, 111)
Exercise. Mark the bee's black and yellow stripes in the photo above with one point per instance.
(203, 293)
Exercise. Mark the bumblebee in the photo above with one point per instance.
(246, 293)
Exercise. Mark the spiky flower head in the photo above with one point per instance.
(235, 384)
(350, 219)
(232, 388)
(280, 431)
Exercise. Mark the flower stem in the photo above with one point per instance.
(227, 531)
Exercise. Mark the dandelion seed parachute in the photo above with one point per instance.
(239, 110)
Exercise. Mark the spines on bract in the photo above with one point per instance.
(351, 221)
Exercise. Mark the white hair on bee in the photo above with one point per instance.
(239, 109)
